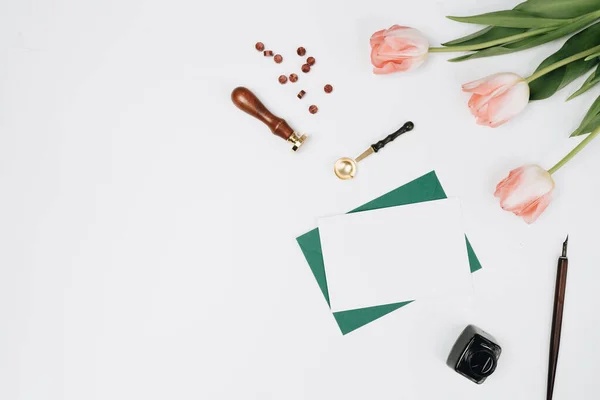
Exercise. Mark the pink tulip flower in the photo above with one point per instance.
(526, 192)
(397, 49)
(497, 98)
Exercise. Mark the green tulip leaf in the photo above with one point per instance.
(587, 128)
(588, 58)
(550, 83)
(511, 19)
(529, 42)
(485, 35)
(589, 83)
(591, 121)
(559, 8)
(541, 8)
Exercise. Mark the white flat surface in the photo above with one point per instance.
(395, 254)
(147, 226)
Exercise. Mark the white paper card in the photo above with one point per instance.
(395, 254)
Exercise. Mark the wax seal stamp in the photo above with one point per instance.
(246, 101)
(475, 354)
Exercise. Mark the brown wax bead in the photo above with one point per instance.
(328, 88)
(278, 58)
(301, 94)
(259, 46)
(268, 53)
(293, 77)
(282, 79)
(301, 51)
(311, 61)
(313, 109)
(305, 68)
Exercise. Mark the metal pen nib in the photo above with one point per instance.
(564, 250)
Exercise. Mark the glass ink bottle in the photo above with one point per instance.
(475, 354)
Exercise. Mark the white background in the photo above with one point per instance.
(147, 226)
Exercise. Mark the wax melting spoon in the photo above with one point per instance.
(345, 168)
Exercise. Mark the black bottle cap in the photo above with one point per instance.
(482, 363)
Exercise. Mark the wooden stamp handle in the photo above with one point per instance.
(247, 101)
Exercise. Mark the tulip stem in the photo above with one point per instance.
(573, 152)
(562, 63)
(508, 39)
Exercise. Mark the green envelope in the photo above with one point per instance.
(425, 188)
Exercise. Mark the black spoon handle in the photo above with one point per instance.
(405, 128)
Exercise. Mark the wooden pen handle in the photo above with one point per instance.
(247, 101)
(557, 317)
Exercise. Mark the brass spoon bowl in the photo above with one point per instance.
(345, 168)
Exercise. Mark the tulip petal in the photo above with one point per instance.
(375, 59)
(510, 182)
(491, 83)
(398, 48)
(395, 28)
(405, 65)
(479, 106)
(387, 68)
(531, 184)
(477, 102)
(388, 52)
(523, 194)
(526, 192)
(497, 98)
(483, 121)
(403, 38)
(531, 213)
(377, 38)
(508, 104)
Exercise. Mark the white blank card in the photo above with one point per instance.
(395, 254)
